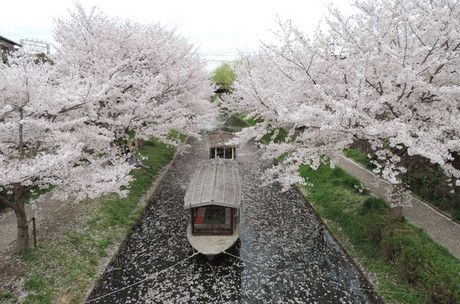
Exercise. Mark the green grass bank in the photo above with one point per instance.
(409, 267)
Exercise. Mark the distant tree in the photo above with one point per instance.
(224, 76)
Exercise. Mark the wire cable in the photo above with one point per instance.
(151, 276)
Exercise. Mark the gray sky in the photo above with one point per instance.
(219, 28)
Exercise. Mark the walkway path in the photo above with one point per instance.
(442, 229)
(285, 253)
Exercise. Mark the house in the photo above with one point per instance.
(7, 46)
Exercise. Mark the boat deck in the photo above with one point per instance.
(212, 244)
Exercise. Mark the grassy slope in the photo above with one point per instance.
(409, 266)
(62, 271)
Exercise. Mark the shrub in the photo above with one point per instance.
(374, 227)
(393, 242)
(411, 262)
(374, 204)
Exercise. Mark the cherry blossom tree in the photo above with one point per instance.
(387, 74)
(146, 77)
(60, 122)
(45, 141)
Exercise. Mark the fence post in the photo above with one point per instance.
(34, 232)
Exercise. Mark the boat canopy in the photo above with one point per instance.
(215, 182)
(221, 139)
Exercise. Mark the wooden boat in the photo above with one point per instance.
(214, 199)
(222, 145)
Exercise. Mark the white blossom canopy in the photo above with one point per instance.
(388, 74)
(45, 142)
(60, 120)
(145, 77)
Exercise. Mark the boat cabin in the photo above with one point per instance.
(222, 145)
(213, 200)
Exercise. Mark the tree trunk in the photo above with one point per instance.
(18, 207)
(23, 227)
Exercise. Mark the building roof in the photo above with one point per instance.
(9, 40)
(215, 182)
(221, 139)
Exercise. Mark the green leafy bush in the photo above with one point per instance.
(224, 75)
(411, 263)
(374, 228)
(374, 204)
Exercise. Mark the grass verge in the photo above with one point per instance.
(409, 267)
(62, 271)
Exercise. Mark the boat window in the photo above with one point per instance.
(220, 152)
(228, 153)
(212, 220)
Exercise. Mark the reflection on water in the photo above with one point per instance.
(285, 255)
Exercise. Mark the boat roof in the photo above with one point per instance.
(221, 139)
(215, 182)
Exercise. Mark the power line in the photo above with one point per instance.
(141, 281)
(220, 55)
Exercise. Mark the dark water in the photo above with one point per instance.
(285, 255)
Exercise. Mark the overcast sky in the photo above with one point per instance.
(219, 28)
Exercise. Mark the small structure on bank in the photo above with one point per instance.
(213, 199)
(7, 46)
(222, 145)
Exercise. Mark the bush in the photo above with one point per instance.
(411, 262)
(374, 204)
(392, 243)
(373, 229)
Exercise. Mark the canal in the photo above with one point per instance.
(285, 254)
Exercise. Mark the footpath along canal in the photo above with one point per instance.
(285, 254)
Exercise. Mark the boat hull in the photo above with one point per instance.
(212, 245)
